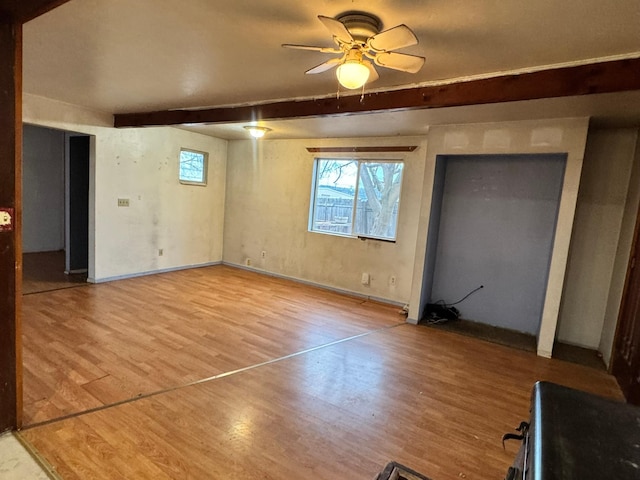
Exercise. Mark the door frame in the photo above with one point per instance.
(627, 297)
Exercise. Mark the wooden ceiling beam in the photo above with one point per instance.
(21, 11)
(604, 77)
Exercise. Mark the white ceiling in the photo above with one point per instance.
(121, 56)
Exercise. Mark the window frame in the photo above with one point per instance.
(360, 160)
(205, 167)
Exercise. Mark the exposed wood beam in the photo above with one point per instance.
(24, 10)
(10, 235)
(402, 148)
(604, 77)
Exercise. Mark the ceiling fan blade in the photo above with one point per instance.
(314, 49)
(399, 61)
(323, 67)
(392, 39)
(373, 73)
(337, 29)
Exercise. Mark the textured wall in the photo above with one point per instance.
(623, 250)
(142, 165)
(267, 209)
(601, 202)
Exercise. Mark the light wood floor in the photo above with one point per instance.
(101, 344)
(433, 400)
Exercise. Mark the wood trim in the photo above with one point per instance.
(604, 77)
(24, 10)
(11, 241)
(617, 366)
(407, 148)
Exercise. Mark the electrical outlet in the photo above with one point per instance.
(263, 254)
(365, 279)
(123, 202)
(247, 262)
(392, 280)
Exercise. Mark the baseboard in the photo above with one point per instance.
(343, 291)
(150, 272)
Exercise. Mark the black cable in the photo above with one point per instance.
(442, 302)
(448, 311)
(466, 296)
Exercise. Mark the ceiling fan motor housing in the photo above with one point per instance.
(360, 25)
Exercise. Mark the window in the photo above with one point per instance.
(193, 167)
(357, 198)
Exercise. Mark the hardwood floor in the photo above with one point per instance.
(372, 390)
(101, 344)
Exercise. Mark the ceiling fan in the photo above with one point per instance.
(358, 41)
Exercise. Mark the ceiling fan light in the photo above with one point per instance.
(257, 132)
(352, 74)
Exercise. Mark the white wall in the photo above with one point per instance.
(621, 260)
(600, 208)
(42, 190)
(267, 208)
(539, 136)
(142, 165)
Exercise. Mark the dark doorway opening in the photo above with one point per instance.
(77, 251)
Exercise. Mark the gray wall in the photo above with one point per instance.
(43, 189)
(496, 229)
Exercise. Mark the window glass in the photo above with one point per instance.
(378, 199)
(356, 197)
(193, 167)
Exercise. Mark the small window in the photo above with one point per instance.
(193, 167)
(357, 198)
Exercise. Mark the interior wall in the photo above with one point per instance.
(621, 259)
(528, 137)
(141, 165)
(42, 189)
(601, 204)
(267, 209)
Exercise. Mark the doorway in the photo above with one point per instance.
(493, 225)
(56, 168)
